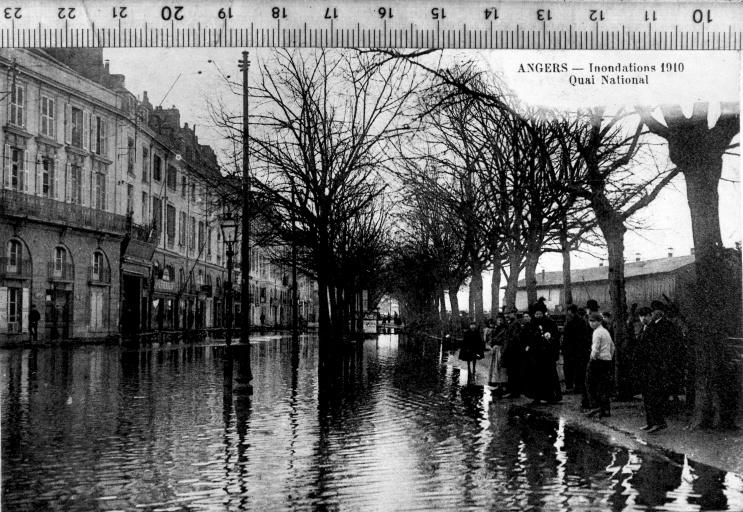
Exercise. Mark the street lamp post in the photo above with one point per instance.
(229, 234)
(242, 356)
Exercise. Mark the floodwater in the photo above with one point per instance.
(387, 427)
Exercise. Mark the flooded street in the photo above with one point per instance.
(104, 428)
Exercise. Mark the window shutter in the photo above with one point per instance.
(42, 107)
(67, 181)
(85, 187)
(86, 130)
(24, 172)
(39, 166)
(3, 308)
(67, 124)
(6, 166)
(58, 193)
(24, 308)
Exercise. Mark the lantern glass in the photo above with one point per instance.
(229, 230)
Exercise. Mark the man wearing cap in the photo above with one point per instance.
(656, 338)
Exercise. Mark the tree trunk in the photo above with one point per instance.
(495, 290)
(714, 405)
(476, 302)
(613, 230)
(442, 301)
(512, 282)
(454, 302)
(530, 273)
(567, 285)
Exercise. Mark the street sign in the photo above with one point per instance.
(571, 25)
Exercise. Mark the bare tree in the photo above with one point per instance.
(697, 149)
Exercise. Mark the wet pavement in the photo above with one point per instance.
(386, 427)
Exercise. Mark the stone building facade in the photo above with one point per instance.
(108, 220)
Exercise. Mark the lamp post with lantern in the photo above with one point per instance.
(229, 234)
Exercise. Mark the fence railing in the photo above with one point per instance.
(19, 204)
(19, 268)
(64, 272)
(99, 276)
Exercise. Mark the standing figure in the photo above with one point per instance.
(540, 342)
(472, 349)
(600, 372)
(512, 358)
(576, 348)
(498, 376)
(33, 323)
(656, 339)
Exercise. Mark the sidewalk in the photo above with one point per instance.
(723, 450)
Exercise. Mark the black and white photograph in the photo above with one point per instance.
(355, 279)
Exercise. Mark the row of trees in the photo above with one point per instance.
(391, 174)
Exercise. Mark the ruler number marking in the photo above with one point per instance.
(491, 13)
(544, 14)
(700, 16)
(12, 13)
(385, 12)
(66, 13)
(278, 12)
(596, 15)
(225, 13)
(175, 13)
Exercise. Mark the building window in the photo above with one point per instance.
(15, 253)
(77, 127)
(184, 185)
(129, 199)
(99, 136)
(60, 260)
(157, 214)
(99, 266)
(145, 165)
(18, 105)
(100, 190)
(17, 173)
(145, 207)
(15, 307)
(192, 234)
(130, 155)
(201, 236)
(200, 278)
(172, 177)
(76, 184)
(193, 192)
(97, 299)
(47, 117)
(157, 168)
(47, 177)
(209, 242)
(182, 229)
(171, 224)
(168, 273)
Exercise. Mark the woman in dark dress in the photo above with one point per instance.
(473, 348)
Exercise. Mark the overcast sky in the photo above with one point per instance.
(187, 79)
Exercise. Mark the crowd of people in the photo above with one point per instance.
(525, 349)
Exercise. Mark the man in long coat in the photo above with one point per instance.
(656, 341)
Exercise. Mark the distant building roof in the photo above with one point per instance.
(631, 269)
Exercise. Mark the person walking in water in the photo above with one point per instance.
(498, 376)
(33, 323)
(472, 349)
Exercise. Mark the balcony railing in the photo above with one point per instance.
(100, 276)
(19, 269)
(18, 204)
(64, 273)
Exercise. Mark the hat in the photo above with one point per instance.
(592, 304)
(537, 306)
(644, 311)
(657, 305)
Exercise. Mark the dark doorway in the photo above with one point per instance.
(130, 315)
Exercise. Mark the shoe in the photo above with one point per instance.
(657, 428)
(646, 427)
(592, 413)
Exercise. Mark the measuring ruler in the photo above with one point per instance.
(576, 25)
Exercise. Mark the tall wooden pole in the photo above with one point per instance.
(244, 374)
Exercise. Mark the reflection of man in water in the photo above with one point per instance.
(33, 323)
(656, 478)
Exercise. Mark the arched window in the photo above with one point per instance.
(168, 273)
(15, 255)
(219, 283)
(60, 259)
(200, 277)
(99, 266)
(181, 277)
(209, 279)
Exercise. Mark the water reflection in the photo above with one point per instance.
(383, 426)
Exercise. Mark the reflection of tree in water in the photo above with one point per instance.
(708, 487)
(656, 477)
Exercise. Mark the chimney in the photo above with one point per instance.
(670, 252)
(637, 256)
